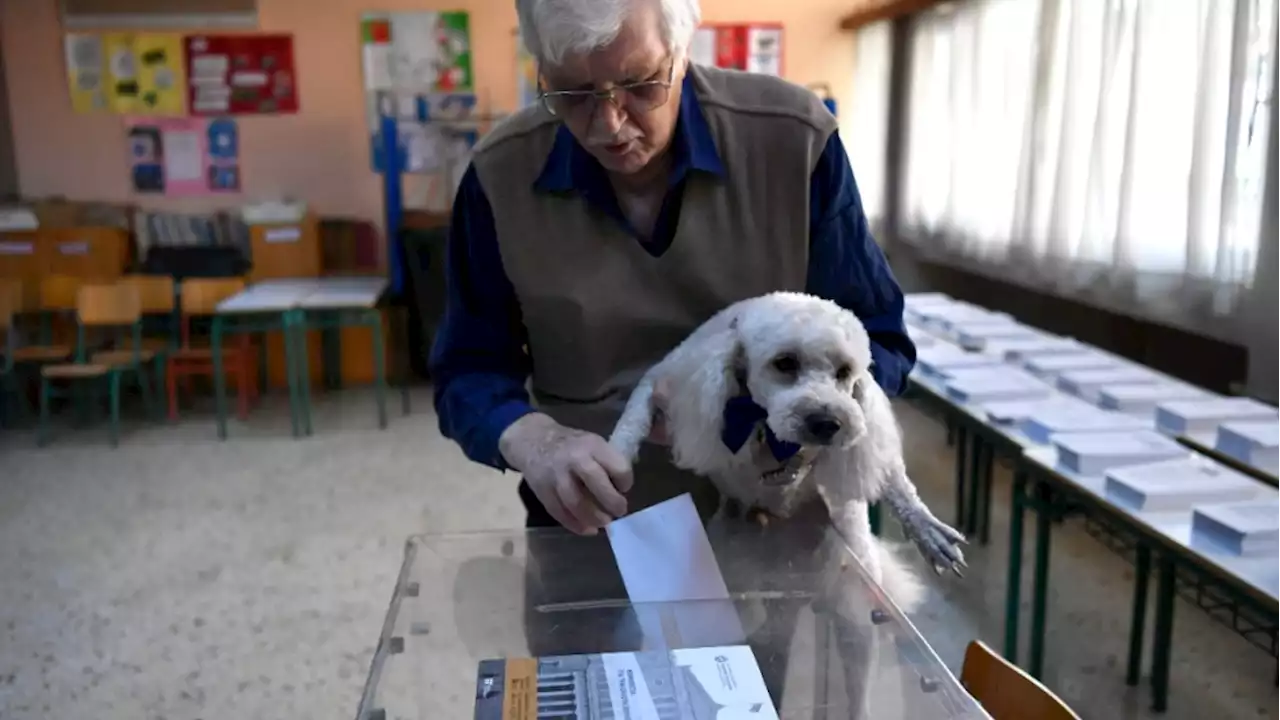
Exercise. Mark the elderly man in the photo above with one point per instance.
(593, 232)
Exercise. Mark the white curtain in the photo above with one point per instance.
(1108, 149)
(864, 126)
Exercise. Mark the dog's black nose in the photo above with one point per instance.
(821, 427)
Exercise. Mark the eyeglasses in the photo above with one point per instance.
(636, 97)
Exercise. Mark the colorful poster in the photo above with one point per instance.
(144, 73)
(749, 47)
(417, 69)
(183, 156)
(86, 72)
(241, 74)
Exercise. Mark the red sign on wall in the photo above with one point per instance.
(241, 74)
(751, 47)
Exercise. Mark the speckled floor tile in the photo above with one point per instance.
(180, 577)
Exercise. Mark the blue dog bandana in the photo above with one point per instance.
(741, 415)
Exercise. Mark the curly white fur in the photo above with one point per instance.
(801, 358)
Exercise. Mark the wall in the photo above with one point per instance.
(8, 164)
(321, 154)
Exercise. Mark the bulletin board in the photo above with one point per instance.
(753, 47)
(417, 69)
(241, 75)
(183, 156)
(126, 73)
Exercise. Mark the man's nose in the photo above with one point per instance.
(609, 117)
(821, 427)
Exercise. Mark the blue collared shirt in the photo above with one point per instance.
(478, 362)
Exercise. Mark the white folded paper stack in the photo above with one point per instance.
(974, 335)
(1009, 412)
(1088, 384)
(1142, 398)
(1092, 453)
(994, 384)
(939, 359)
(1042, 424)
(947, 317)
(1201, 417)
(1019, 350)
(925, 299)
(1249, 528)
(1049, 367)
(1255, 443)
(1178, 485)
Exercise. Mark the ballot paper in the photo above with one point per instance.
(1043, 423)
(1007, 412)
(672, 578)
(1018, 350)
(941, 359)
(1178, 485)
(975, 335)
(1242, 528)
(995, 384)
(1190, 417)
(1142, 398)
(1048, 367)
(1088, 384)
(1091, 454)
(1255, 443)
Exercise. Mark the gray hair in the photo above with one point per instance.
(553, 29)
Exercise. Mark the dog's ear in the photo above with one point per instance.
(860, 388)
(701, 383)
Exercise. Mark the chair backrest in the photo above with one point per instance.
(155, 292)
(200, 296)
(108, 305)
(1005, 691)
(59, 292)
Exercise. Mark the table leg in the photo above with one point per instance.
(1013, 586)
(219, 380)
(962, 436)
(379, 369)
(302, 368)
(331, 356)
(977, 446)
(291, 371)
(1040, 579)
(988, 470)
(1141, 573)
(1161, 647)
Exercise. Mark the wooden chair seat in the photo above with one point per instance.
(1005, 691)
(74, 370)
(41, 353)
(120, 358)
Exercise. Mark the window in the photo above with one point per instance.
(1111, 147)
(864, 126)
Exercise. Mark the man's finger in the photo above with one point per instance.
(600, 488)
(585, 513)
(556, 509)
(618, 468)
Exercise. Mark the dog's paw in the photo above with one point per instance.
(938, 542)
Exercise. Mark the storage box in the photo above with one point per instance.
(1255, 443)
(1249, 528)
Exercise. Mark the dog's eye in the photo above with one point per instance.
(844, 373)
(786, 364)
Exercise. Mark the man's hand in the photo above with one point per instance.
(576, 475)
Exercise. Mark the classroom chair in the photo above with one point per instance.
(200, 298)
(158, 298)
(57, 299)
(102, 309)
(1005, 691)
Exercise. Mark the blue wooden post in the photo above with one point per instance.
(392, 197)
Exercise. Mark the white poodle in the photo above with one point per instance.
(773, 400)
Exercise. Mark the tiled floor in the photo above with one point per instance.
(179, 577)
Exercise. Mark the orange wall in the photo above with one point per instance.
(321, 154)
